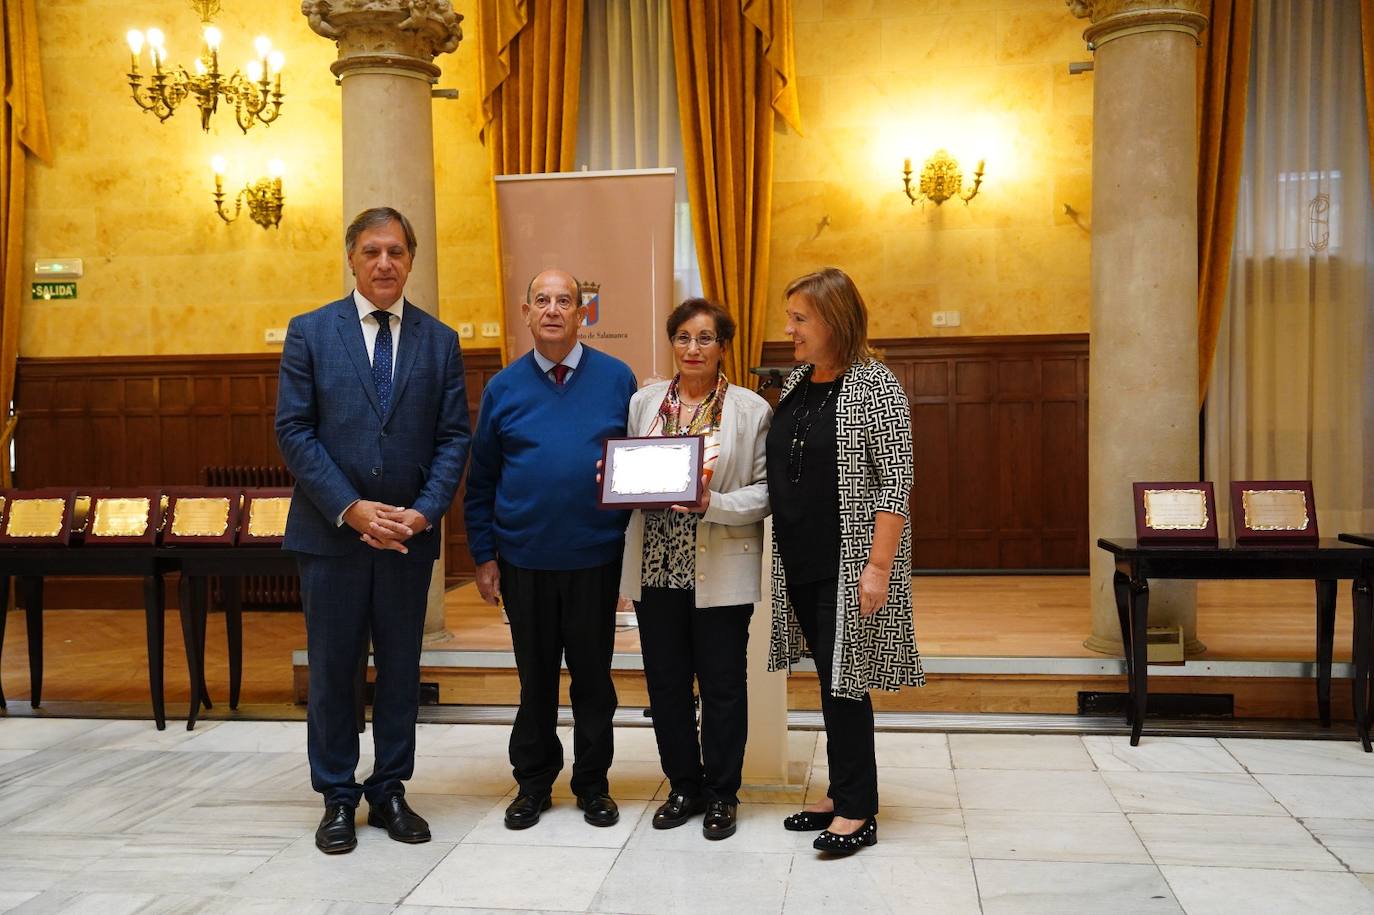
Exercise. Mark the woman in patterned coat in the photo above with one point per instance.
(839, 479)
(695, 572)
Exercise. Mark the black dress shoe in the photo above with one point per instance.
(808, 821)
(599, 809)
(720, 820)
(400, 822)
(335, 834)
(867, 834)
(678, 809)
(524, 811)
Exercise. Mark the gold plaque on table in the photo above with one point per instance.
(267, 517)
(200, 517)
(1275, 509)
(36, 517)
(121, 517)
(1176, 509)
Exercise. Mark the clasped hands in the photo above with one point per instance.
(384, 527)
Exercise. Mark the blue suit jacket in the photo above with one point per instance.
(340, 446)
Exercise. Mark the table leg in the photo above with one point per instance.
(1140, 613)
(188, 637)
(232, 587)
(4, 615)
(1326, 635)
(32, 586)
(1121, 587)
(154, 604)
(1363, 606)
(200, 589)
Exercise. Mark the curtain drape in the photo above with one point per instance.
(627, 116)
(23, 132)
(1223, 76)
(530, 67)
(1292, 393)
(734, 71)
(1367, 41)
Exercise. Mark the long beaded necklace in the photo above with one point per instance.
(803, 420)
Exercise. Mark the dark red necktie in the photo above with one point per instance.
(560, 373)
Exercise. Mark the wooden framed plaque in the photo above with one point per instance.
(206, 515)
(1274, 511)
(264, 516)
(37, 517)
(123, 516)
(1175, 512)
(651, 473)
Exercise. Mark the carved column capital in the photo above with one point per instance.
(393, 36)
(1111, 19)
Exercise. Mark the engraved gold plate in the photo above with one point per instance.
(1176, 509)
(196, 517)
(121, 517)
(267, 517)
(36, 517)
(1275, 509)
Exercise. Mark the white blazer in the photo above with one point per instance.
(730, 533)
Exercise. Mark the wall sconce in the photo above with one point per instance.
(264, 196)
(256, 97)
(940, 180)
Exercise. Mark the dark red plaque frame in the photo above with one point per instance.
(1247, 535)
(1145, 534)
(688, 496)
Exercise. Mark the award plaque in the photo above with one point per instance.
(124, 516)
(651, 473)
(205, 516)
(264, 516)
(38, 517)
(1274, 511)
(1175, 512)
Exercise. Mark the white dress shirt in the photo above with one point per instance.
(370, 326)
(571, 360)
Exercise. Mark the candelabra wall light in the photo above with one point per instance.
(263, 197)
(940, 180)
(256, 97)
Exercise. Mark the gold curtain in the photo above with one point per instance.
(530, 70)
(23, 132)
(1223, 83)
(1367, 42)
(734, 71)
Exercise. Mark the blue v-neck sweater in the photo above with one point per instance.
(531, 489)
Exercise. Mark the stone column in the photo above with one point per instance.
(765, 755)
(1142, 386)
(385, 69)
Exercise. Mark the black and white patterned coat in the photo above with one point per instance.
(876, 473)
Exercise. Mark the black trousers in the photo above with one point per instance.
(346, 598)
(848, 723)
(682, 643)
(556, 616)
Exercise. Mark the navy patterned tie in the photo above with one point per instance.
(381, 360)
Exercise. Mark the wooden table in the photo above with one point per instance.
(1325, 563)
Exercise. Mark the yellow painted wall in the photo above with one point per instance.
(132, 197)
(884, 79)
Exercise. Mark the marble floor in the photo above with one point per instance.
(113, 817)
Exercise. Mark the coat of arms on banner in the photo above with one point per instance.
(591, 299)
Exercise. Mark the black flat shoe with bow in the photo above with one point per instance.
(829, 842)
(808, 821)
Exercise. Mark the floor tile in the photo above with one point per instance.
(1231, 841)
(1050, 792)
(1056, 888)
(863, 883)
(214, 817)
(562, 825)
(630, 780)
(1335, 796)
(378, 871)
(10, 900)
(1302, 757)
(101, 810)
(134, 735)
(254, 737)
(33, 863)
(759, 830)
(175, 866)
(1350, 840)
(487, 740)
(38, 733)
(470, 776)
(908, 750)
(655, 881)
(1160, 754)
(1018, 751)
(1085, 837)
(916, 833)
(1227, 890)
(897, 786)
(1191, 792)
(515, 876)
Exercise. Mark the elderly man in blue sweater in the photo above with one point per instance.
(543, 547)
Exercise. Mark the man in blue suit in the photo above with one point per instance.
(372, 420)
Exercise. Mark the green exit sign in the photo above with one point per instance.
(54, 291)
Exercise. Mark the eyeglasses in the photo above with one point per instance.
(704, 340)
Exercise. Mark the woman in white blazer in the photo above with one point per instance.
(694, 571)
